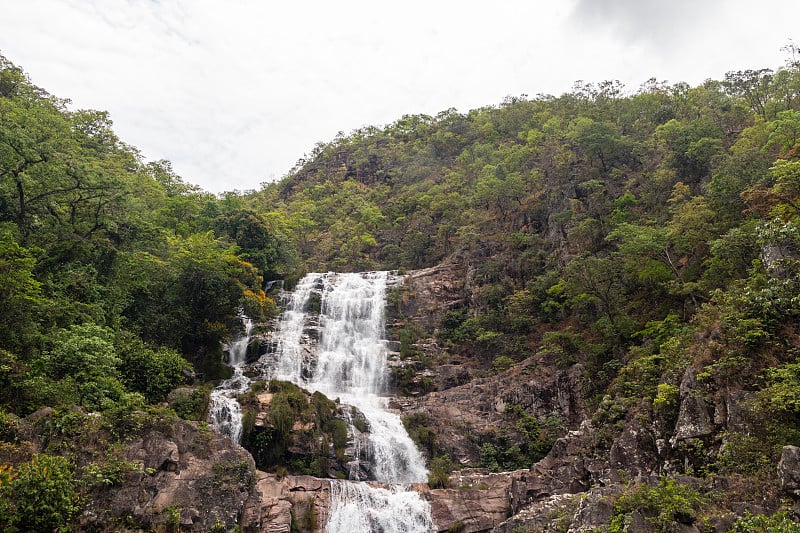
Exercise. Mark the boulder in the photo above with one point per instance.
(478, 501)
(789, 470)
(694, 416)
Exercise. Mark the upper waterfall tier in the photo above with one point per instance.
(331, 339)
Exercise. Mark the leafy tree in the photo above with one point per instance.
(152, 372)
(753, 86)
(20, 293)
(601, 142)
(79, 365)
(258, 243)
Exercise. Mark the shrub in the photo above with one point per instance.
(502, 363)
(40, 495)
(777, 523)
(417, 426)
(154, 373)
(190, 405)
(439, 474)
(664, 506)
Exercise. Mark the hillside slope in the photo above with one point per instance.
(623, 266)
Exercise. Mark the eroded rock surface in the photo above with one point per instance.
(189, 475)
(538, 386)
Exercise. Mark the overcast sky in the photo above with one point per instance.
(234, 92)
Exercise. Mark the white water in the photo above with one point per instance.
(357, 507)
(225, 413)
(350, 364)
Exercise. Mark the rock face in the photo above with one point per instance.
(478, 501)
(431, 292)
(789, 470)
(189, 476)
(481, 406)
(274, 501)
(694, 417)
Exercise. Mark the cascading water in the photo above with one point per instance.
(350, 364)
(225, 413)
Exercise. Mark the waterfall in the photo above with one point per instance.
(225, 413)
(357, 507)
(331, 339)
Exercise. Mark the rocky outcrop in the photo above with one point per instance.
(694, 417)
(576, 513)
(429, 293)
(789, 470)
(477, 501)
(188, 476)
(274, 502)
(463, 413)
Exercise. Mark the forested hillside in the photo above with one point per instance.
(637, 233)
(650, 236)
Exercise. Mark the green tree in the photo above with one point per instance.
(79, 364)
(152, 372)
(20, 294)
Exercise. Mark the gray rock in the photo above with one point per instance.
(694, 417)
(789, 470)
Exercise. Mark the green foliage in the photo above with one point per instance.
(665, 506)
(502, 363)
(40, 495)
(78, 366)
(418, 427)
(107, 473)
(779, 522)
(338, 430)
(747, 455)
(504, 451)
(20, 293)
(297, 418)
(781, 393)
(154, 373)
(439, 472)
(191, 404)
(667, 396)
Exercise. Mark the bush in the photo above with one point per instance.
(417, 427)
(664, 506)
(439, 474)
(502, 363)
(154, 373)
(190, 405)
(777, 523)
(39, 495)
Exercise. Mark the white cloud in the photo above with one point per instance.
(235, 92)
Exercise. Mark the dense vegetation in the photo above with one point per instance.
(117, 283)
(637, 233)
